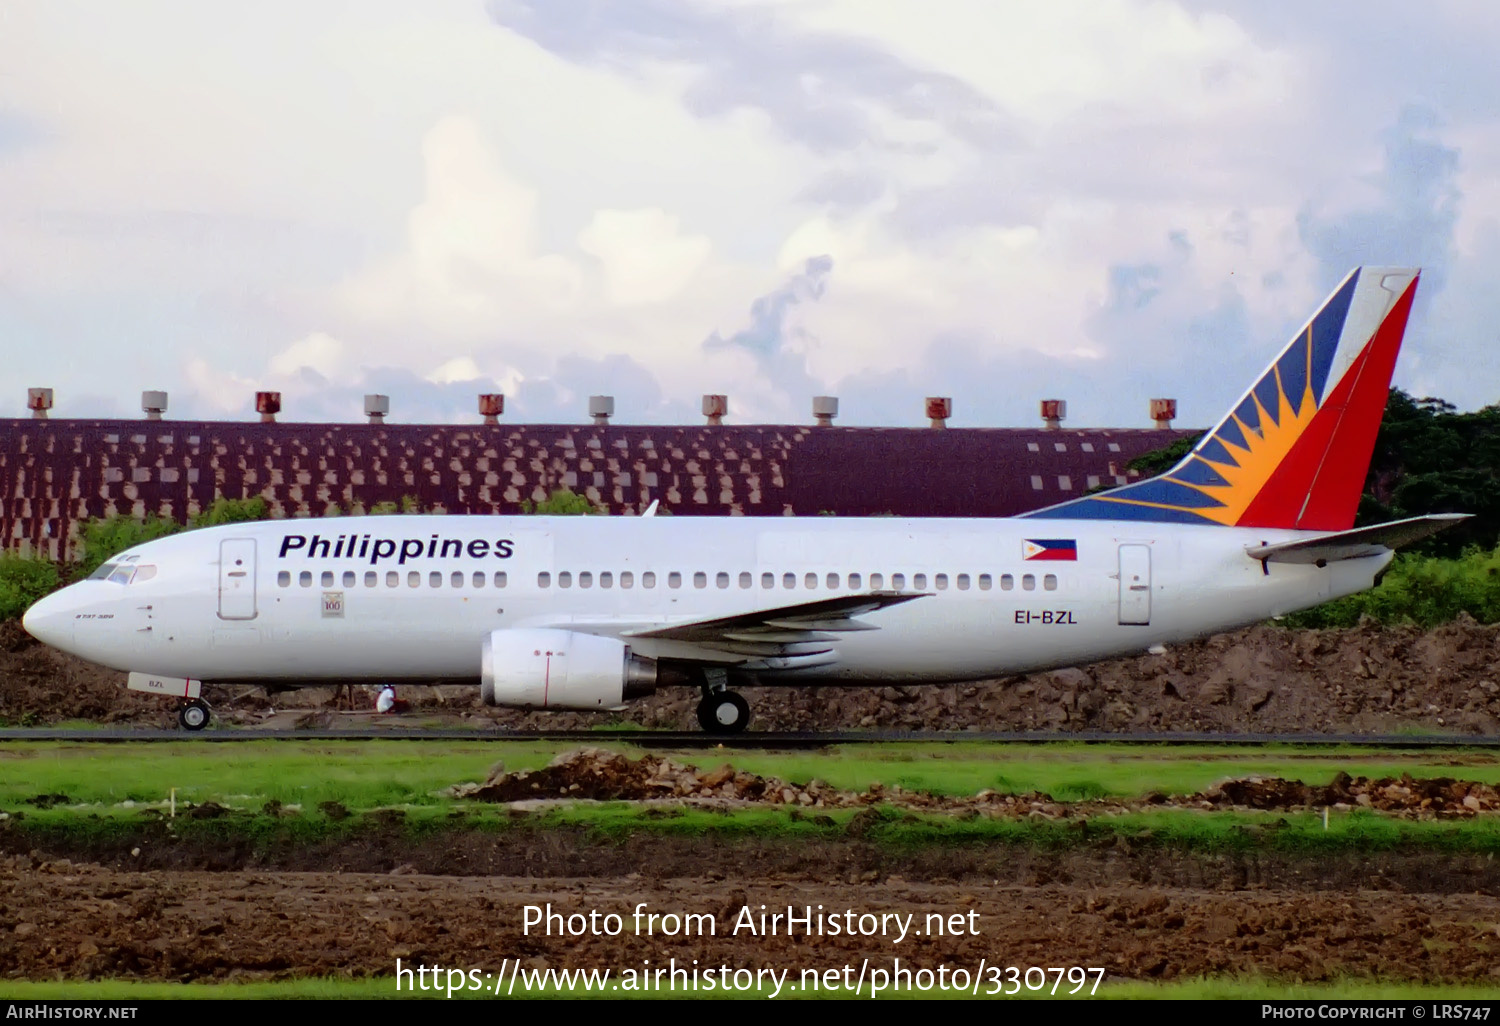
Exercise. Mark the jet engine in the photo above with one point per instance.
(544, 668)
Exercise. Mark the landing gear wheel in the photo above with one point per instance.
(193, 715)
(723, 712)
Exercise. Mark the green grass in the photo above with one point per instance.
(360, 775)
(1237, 988)
(375, 774)
(1084, 771)
(892, 828)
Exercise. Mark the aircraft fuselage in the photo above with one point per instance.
(391, 598)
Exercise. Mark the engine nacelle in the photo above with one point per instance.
(543, 668)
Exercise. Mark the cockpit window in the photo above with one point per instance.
(123, 573)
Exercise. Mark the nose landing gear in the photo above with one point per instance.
(193, 715)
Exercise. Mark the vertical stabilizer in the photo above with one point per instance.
(1293, 452)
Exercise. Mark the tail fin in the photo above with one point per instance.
(1294, 451)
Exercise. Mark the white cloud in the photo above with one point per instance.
(420, 191)
(645, 258)
(460, 368)
(319, 352)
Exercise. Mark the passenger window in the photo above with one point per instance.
(919, 581)
(350, 578)
(585, 579)
(392, 579)
(435, 579)
(371, 578)
(648, 579)
(788, 581)
(700, 579)
(565, 578)
(1028, 583)
(284, 579)
(941, 580)
(811, 581)
(458, 579)
(544, 580)
(854, 581)
(877, 582)
(627, 579)
(768, 580)
(1007, 582)
(501, 580)
(985, 582)
(414, 579)
(721, 579)
(305, 578)
(833, 582)
(746, 579)
(327, 578)
(674, 579)
(1049, 582)
(898, 581)
(478, 579)
(963, 582)
(606, 579)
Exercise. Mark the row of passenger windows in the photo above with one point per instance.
(627, 579)
(810, 581)
(435, 579)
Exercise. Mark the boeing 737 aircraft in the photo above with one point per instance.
(590, 612)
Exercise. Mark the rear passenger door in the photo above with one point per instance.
(1135, 585)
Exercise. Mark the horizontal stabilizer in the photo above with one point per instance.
(1356, 543)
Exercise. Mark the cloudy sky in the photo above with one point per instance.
(1099, 200)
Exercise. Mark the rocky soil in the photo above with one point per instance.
(598, 775)
(1261, 679)
(159, 908)
(87, 921)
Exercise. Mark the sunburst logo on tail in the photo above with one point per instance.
(1267, 462)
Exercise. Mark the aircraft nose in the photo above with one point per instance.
(50, 621)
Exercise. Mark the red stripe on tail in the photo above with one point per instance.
(1318, 485)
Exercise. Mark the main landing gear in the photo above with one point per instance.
(193, 715)
(721, 711)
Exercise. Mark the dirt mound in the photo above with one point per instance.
(599, 775)
(42, 685)
(1438, 795)
(1360, 680)
(592, 773)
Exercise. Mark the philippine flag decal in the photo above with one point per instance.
(1063, 549)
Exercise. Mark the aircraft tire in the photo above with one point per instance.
(725, 712)
(194, 715)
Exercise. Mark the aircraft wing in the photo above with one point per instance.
(781, 636)
(1356, 543)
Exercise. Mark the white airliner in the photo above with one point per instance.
(590, 612)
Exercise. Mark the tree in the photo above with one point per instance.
(562, 502)
(1159, 461)
(23, 580)
(232, 511)
(103, 537)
